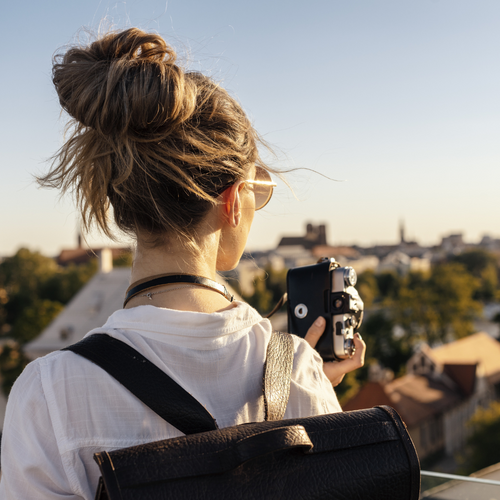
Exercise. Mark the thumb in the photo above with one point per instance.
(315, 331)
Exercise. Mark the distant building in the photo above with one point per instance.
(335, 251)
(479, 348)
(453, 244)
(490, 244)
(441, 391)
(82, 255)
(400, 262)
(360, 264)
(305, 250)
(315, 235)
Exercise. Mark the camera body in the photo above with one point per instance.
(325, 289)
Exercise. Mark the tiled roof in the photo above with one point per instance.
(463, 375)
(83, 255)
(294, 240)
(479, 348)
(415, 397)
(371, 394)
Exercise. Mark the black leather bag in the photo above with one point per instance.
(366, 454)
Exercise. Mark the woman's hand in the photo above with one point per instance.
(335, 370)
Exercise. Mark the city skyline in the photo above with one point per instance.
(398, 102)
(402, 238)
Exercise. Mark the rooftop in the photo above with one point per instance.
(89, 309)
(415, 397)
(479, 348)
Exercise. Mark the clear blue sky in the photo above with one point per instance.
(399, 99)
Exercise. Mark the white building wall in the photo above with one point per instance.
(455, 421)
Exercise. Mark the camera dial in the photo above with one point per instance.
(350, 348)
(350, 276)
(351, 322)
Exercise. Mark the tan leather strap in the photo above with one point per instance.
(277, 375)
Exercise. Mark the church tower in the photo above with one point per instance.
(402, 232)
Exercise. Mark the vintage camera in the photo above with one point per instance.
(325, 289)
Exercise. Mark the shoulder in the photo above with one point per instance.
(57, 365)
(27, 390)
(58, 379)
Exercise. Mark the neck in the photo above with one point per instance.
(179, 259)
(167, 260)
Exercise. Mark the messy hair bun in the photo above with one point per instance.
(154, 141)
(101, 86)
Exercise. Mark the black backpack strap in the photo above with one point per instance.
(277, 375)
(147, 382)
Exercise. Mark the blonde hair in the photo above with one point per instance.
(155, 142)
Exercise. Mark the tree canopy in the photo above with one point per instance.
(33, 290)
(483, 446)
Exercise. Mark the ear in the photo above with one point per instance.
(232, 203)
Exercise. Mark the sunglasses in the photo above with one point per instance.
(263, 187)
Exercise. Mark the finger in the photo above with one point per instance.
(359, 354)
(359, 343)
(315, 331)
(335, 370)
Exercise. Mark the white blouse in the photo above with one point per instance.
(63, 408)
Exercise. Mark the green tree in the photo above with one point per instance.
(367, 287)
(261, 298)
(437, 307)
(269, 287)
(483, 446)
(276, 283)
(125, 259)
(12, 363)
(22, 277)
(483, 266)
(382, 346)
(34, 319)
(475, 261)
(33, 291)
(65, 282)
(388, 284)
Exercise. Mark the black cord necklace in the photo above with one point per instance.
(167, 279)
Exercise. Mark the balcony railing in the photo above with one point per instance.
(441, 486)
